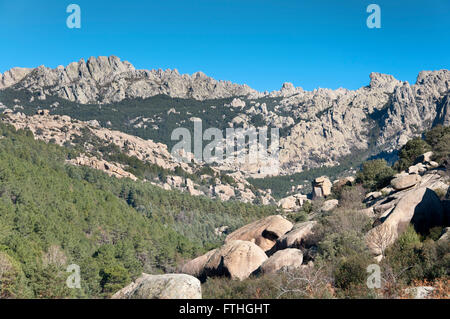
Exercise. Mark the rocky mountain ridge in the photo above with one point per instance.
(319, 127)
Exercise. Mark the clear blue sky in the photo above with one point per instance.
(261, 43)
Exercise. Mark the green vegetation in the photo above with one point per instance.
(375, 174)
(438, 138)
(53, 214)
(409, 152)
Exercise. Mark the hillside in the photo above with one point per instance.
(53, 214)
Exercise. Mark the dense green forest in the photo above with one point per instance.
(53, 214)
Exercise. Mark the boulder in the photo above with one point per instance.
(445, 234)
(295, 238)
(373, 195)
(263, 232)
(321, 187)
(168, 286)
(292, 202)
(417, 169)
(404, 182)
(421, 207)
(196, 266)
(289, 258)
(424, 158)
(421, 292)
(329, 205)
(236, 259)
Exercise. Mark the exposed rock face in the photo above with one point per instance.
(405, 182)
(109, 168)
(63, 130)
(421, 207)
(13, 76)
(237, 259)
(296, 237)
(293, 202)
(323, 124)
(321, 187)
(263, 232)
(108, 79)
(196, 266)
(288, 259)
(168, 286)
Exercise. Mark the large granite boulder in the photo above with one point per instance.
(237, 259)
(404, 182)
(295, 238)
(288, 259)
(263, 232)
(420, 207)
(321, 187)
(168, 286)
(196, 266)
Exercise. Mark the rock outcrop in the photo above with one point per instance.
(321, 187)
(196, 266)
(294, 238)
(420, 207)
(168, 286)
(287, 259)
(237, 259)
(404, 182)
(263, 232)
(322, 127)
(108, 79)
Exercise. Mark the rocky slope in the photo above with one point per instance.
(69, 132)
(317, 127)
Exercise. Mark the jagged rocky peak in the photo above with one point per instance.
(13, 76)
(108, 79)
(383, 81)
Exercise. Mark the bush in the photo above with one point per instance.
(375, 174)
(410, 259)
(351, 272)
(438, 138)
(409, 152)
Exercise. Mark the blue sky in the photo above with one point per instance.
(258, 42)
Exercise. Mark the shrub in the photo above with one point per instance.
(438, 138)
(410, 151)
(351, 272)
(375, 174)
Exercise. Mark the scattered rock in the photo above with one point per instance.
(168, 286)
